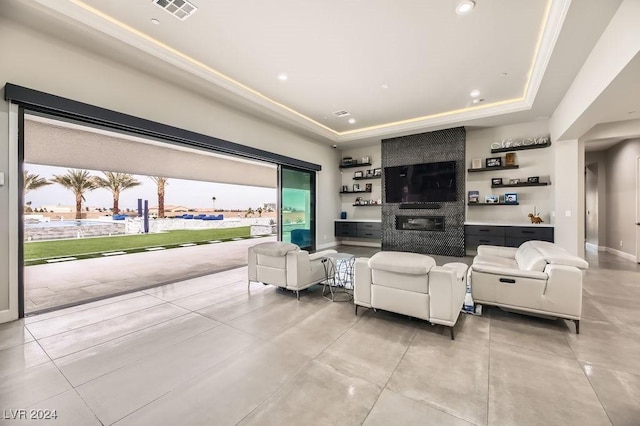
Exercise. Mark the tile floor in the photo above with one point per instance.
(203, 352)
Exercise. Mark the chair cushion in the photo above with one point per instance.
(275, 249)
(555, 254)
(496, 261)
(400, 262)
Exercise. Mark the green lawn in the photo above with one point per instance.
(38, 250)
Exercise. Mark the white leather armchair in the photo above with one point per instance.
(411, 284)
(285, 265)
(538, 277)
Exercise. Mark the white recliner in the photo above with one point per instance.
(411, 284)
(538, 277)
(285, 265)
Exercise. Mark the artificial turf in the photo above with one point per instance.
(37, 251)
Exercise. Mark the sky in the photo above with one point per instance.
(188, 193)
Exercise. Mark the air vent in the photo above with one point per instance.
(341, 113)
(181, 9)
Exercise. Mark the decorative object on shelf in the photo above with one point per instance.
(356, 187)
(496, 181)
(493, 162)
(347, 161)
(368, 187)
(474, 197)
(510, 159)
(524, 143)
(511, 198)
(491, 199)
(476, 163)
(358, 201)
(365, 160)
(369, 173)
(377, 172)
(345, 188)
(535, 216)
(357, 174)
(514, 181)
(343, 215)
(533, 179)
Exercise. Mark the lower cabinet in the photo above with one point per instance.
(358, 229)
(508, 236)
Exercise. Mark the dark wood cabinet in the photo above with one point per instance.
(508, 236)
(357, 229)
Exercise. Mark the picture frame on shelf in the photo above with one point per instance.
(473, 197)
(533, 179)
(476, 163)
(511, 198)
(347, 161)
(377, 172)
(493, 162)
(368, 187)
(356, 187)
(496, 181)
(369, 173)
(365, 160)
(510, 159)
(492, 199)
(357, 174)
(345, 188)
(514, 181)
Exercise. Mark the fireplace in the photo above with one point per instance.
(420, 223)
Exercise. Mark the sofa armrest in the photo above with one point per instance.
(446, 294)
(509, 252)
(320, 254)
(362, 282)
(563, 293)
(506, 272)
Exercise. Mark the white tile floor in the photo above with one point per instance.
(204, 352)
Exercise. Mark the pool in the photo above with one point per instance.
(66, 223)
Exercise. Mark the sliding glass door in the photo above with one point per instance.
(297, 199)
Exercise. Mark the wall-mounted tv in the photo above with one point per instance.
(419, 183)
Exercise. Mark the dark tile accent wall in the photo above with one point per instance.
(431, 147)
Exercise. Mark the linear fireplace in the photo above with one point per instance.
(420, 223)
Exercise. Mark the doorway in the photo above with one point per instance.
(591, 207)
(297, 207)
(638, 210)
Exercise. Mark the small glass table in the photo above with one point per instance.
(338, 268)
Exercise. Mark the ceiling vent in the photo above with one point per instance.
(181, 9)
(341, 113)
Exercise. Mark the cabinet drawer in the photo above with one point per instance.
(530, 233)
(362, 233)
(489, 231)
(368, 226)
(476, 240)
(345, 229)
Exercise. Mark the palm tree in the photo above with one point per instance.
(32, 181)
(116, 183)
(78, 181)
(161, 182)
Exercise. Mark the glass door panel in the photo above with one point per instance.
(297, 207)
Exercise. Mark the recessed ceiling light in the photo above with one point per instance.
(474, 93)
(283, 76)
(465, 6)
(385, 86)
(352, 120)
(155, 21)
(477, 100)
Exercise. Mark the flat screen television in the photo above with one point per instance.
(420, 183)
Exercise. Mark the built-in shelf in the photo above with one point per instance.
(367, 177)
(493, 204)
(354, 192)
(349, 166)
(521, 148)
(511, 185)
(486, 169)
(367, 205)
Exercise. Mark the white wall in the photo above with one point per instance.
(40, 62)
(535, 162)
(598, 160)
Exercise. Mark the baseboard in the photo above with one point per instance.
(326, 245)
(621, 254)
(593, 247)
(360, 243)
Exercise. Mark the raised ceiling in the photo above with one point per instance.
(520, 54)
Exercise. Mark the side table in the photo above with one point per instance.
(338, 268)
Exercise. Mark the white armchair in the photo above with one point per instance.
(285, 265)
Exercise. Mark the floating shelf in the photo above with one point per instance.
(486, 169)
(367, 205)
(521, 148)
(511, 185)
(367, 177)
(349, 166)
(493, 204)
(354, 192)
